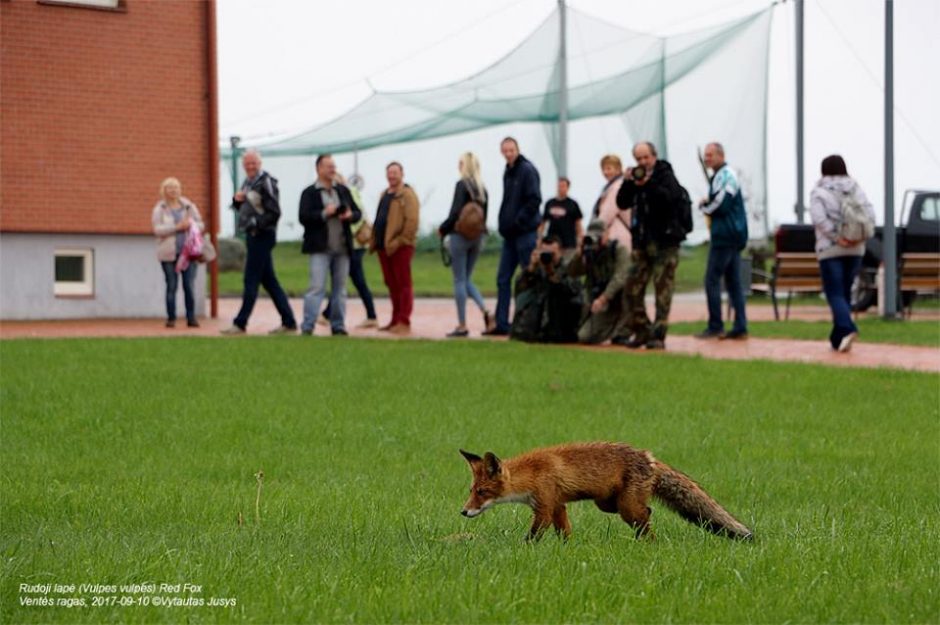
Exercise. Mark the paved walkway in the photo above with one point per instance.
(433, 318)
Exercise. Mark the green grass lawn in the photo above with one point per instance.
(871, 330)
(130, 461)
(431, 278)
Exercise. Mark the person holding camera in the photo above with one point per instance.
(661, 219)
(548, 300)
(394, 236)
(604, 263)
(327, 209)
(259, 209)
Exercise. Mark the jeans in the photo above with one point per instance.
(838, 274)
(259, 270)
(320, 265)
(724, 262)
(358, 277)
(396, 269)
(172, 280)
(515, 253)
(464, 256)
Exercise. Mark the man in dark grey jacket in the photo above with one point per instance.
(519, 220)
(259, 209)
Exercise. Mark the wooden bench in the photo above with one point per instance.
(793, 272)
(919, 272)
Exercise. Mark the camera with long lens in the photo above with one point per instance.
(639, 173)
(588, 247)
(546, 258)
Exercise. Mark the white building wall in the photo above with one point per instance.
(128, 280)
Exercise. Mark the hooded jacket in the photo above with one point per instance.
(522, 197)
(825, 207)
(656, 217)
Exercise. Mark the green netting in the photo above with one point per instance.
(679, 91)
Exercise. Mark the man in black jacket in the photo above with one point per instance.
(657, 227)
(259, 209)
(518, 221)
(327, 209)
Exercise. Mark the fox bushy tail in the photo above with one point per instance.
(692, 503)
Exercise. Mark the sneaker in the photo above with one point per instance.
(710, 335)
(282, 330)
(845, 345)
(386, 327)
(368, 323)
(626, 341)
(340, 332)
(458, 333)
(323, 321)
(232, 330)
(496, 332)
(170, 323)
(192, 323)
(400, 329)
(656, 344)
(306, 333)
(736, 335)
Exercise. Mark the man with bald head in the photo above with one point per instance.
(258, 205)
(658, 225)
(728, 229)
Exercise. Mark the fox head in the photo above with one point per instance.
(488, 484)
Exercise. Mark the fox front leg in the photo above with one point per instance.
(561, 522)
(541, 519)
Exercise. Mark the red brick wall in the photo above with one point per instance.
(96, 108)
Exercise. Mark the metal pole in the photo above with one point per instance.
(890, 236)
(563, 91)
(234, 141)
(799, 207)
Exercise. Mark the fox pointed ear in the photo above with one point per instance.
(471, 458)
(491, 464)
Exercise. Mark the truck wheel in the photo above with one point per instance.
(864, 293)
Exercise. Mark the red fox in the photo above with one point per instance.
(616, 476)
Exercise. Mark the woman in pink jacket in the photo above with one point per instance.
(172, 217)
(616, 221)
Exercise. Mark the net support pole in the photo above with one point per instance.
(563, 90)
(799, 207)
(890, 236)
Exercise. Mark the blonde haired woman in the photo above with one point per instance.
(464, 253)
(615, 220)
(171, 218)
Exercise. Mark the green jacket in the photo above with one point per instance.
(605, 274)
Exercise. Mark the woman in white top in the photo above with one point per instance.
(617, 221)
(171, 218)
(839, 258)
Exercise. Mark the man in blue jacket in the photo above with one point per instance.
(519, 219)
(724, 206)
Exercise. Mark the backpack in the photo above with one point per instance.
(471, 223)
(856, 223)
(684, 211)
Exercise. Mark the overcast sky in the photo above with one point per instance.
(288, 65)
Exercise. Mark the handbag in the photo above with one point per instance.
(364, 233)
(208, 251)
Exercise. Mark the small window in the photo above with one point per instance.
(930, 209)
(74, 272)
(107, 5)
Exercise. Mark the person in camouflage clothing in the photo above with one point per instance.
(658, 225)
(605, 264)
(548, 300)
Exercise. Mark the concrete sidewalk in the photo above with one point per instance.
(433, 318)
